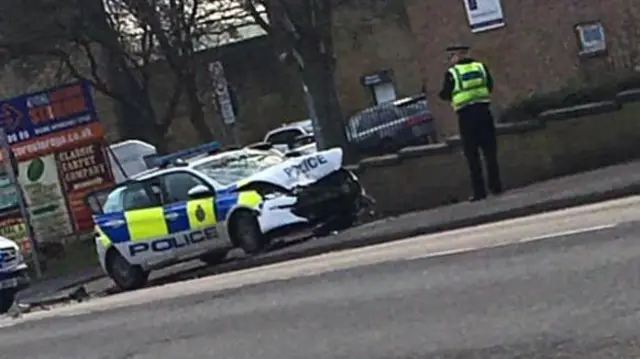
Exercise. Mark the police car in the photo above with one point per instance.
(201, 205)
(13, 273)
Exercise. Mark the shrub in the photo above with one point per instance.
(569, 96)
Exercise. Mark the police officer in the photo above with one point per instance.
(468, 86)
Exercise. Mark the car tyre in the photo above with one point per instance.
(345, 221)
(214, 258)
(245, 232)
(125, 275)
(7, 298)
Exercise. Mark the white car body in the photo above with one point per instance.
(306, 149)
(11, 263)
(274, 211)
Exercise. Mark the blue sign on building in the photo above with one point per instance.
(41, 113)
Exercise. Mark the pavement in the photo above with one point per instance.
(589, 187)
(556, 285)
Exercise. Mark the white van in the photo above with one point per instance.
(129, 158)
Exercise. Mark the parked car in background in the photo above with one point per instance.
(13, 273)
(284, 138)
(391, 126)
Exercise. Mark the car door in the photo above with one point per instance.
(135, 225)
(192, 221)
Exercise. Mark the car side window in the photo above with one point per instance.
(178, 184)
(139, 196)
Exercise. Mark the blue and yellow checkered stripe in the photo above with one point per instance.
(157, 222)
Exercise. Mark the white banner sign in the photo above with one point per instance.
(484, 15)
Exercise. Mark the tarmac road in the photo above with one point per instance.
(560, 285)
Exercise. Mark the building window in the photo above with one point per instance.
(591, 38)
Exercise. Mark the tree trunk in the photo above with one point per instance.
(319, 80)
(135, 123)
(196, 109)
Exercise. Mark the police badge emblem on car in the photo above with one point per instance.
(200, 214)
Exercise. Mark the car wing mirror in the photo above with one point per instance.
(200, 191)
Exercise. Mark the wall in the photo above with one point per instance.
(560, 142)
(370, 36)
(536, 51)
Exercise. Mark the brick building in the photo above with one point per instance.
(537, 50)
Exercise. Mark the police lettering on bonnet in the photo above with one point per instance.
(170, 243)
(306, 165)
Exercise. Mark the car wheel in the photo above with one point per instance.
(7, 298)
(246, 233)
(213, 258)
(345, 222)
(125, 275)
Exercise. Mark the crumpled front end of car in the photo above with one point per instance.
(336, 198)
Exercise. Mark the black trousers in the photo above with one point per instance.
(478, 134)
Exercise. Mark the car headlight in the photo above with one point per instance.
(19, 256)
(266, 190)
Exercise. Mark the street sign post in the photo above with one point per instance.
(10, 167)
(221, 93)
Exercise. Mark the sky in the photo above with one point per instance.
(217, 14)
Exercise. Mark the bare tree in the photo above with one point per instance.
(122, 47)
(302, 30)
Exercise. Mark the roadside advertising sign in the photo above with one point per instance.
(59, 146)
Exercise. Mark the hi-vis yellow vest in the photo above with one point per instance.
(470, 85)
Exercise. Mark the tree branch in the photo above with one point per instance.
(172, 106)
(255, 14)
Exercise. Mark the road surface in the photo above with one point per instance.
(560, 285)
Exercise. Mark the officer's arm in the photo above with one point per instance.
(446, 93)
(489, 78)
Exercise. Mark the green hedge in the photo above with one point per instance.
(604, 90)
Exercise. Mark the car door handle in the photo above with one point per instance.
(172, 216)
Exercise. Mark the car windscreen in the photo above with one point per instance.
(230, 169)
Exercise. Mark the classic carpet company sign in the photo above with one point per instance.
(82, 170)
(59, 127)
(84, 167)
(484, 15)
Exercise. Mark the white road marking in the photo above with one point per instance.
(569, 221)
(572, 232)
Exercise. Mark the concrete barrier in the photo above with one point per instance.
(560, 142)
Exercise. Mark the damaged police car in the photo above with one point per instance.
(201, 205)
